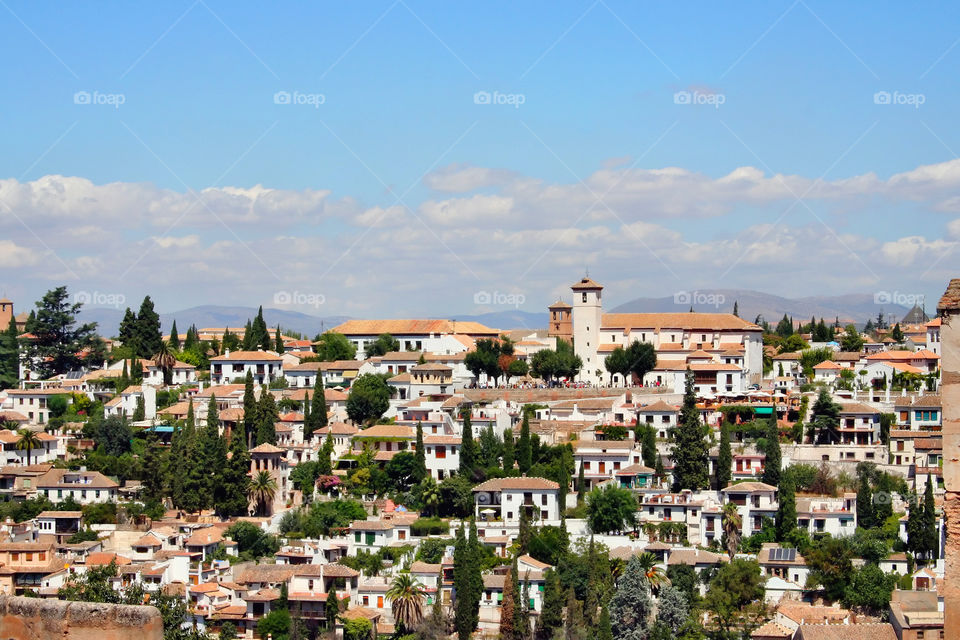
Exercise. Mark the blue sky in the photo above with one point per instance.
(400, 195)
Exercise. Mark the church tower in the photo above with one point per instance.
(587, 314)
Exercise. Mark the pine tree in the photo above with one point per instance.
(786, 520)
(931, 539)
(148, 334)
(420, 470)
(267, 417)
(865, 504)
(524, 453)
(127, 333)
(773, 457)
(468, 448)
(508, 451)
(249, 410)
(631, 605)
(690, 449)
(174, 337)
(724, 458)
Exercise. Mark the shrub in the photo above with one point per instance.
(430, 527)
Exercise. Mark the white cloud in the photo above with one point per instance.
(905, 251)
(13, 256)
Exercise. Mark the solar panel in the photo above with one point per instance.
(775, 554)
(783, 555)
(789, 554)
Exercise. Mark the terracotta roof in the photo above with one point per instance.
(370, 525)
(387, 431)
(689, 321)
(585, 283)
(858, 407)
(336, 570)
(749, 487)
(94, 480)
(407, 327)
(826, 364)
(634, 469)
(560, 304)
(694, 557)
(950, 301)
(858, 631)
(516, 484)
(247, 355)
(424, 567)
(101, 558)
(772, 630)
(266, 447)
(659, 405)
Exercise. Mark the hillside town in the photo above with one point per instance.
(611, 475)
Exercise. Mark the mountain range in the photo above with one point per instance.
(855, 308)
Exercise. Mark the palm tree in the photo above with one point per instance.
(429, 495)
(654, 573)
(262, 489)
(731, 527)
(28, 440)
(406, 596)
(165, 360)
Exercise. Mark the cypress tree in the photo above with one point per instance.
(786, 520)
(154, 476)
(213, 455)
(267, 416)
(604, 629)
(174, 340)
(278, 341)
(508, 451)
(523, 611)
(508, 604)
(468, 448)
(724, 458)
(235, 478)
(736, 308)
(124, 380)
(690, 450)
(865, 504)
(193, 495)
(462, 558)
(581, 485)
(648, 445)
(249, 410)
(476, 577)
(931, 540)
(140, 412)
(773, 457)
(631, 605)
(524, 452)
(332, 607)
(318, 408)
(659, 471)
(9, 356)
(306, 416)
(420, 470)
(192, 339)
(551, 614)
(326, 455)
(248, 339)
(915, 542)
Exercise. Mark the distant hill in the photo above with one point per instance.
(108, 320)
(506, 320)
(855, 307)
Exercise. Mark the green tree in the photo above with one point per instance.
(148, 336)
(928, 522)
(735, 599)
(318, 409)
(508, 605)
(672, 609)
(466, 572)
(58, 340)
(642, 359)
(235, 481)
(249, 410)
(773, 457)
(174, 340)
(9, 356)
(267, 417)
(421, 456)
(332, 346)
(551, 615)
(275, 624)
(865, 517)
(406, 595)
(468, 447)
(724, 469)
(278, 341)
(508, 451)
(524, 453)
(831, 567)
(385, 343)
(369, 398)
(27, 440)
(140, 411)
(786, 520)
(825, 418)
(631, 606)
(212, 454)
(648, 444)
(851, 340)
(897, 334)
(261, 491)
(617, 363)
(690, 448)
(611, 509)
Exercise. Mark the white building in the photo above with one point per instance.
(508, 496)
(86, 487)
(265, 366)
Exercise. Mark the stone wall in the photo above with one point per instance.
(949, 311)
(41, 619)
(640, 394)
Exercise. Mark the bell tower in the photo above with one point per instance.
(587, 314)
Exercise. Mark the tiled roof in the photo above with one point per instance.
(688, 321)
(407, 327)
(387, 431)
(255, 356)
(516, 484)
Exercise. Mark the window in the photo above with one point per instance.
(583, 299)
(441, 452)
(543, 500)
(366, 600)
